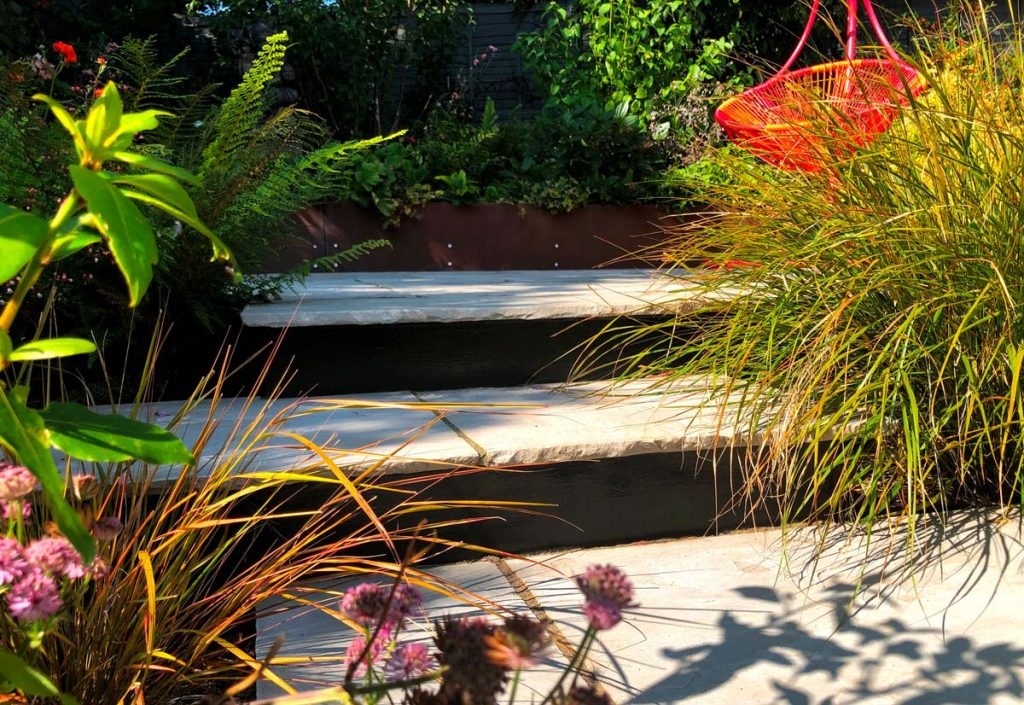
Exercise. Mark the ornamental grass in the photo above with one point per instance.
(868, 319)
(191, 555)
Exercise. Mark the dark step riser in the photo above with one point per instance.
(605, 502)
(427, 356)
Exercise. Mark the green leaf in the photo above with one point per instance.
(103, 120)
(25, 678)
(162, 187)
(124, 228)
(220, 250)
(67, 245)
(148, 163)
(5, 346)
(22, 432)
(21, 234)
(110, 438)
(65, 119)
(51, 348)
(133, 123)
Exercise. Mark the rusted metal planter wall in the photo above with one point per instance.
(482, 237)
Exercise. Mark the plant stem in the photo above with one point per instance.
(30, 275)
(515, 686)
(574, 665)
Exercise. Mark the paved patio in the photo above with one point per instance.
(761, 618)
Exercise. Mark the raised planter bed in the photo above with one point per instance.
(484, 237)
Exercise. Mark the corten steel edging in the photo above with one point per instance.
(482, 237)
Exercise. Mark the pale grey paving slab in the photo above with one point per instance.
(718, 621)
(446, 297)
(352, 431)
(593, 420)
(319, 640)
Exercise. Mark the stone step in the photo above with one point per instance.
(833, 619)
(388, 331)
(590, 452)
(384, 298)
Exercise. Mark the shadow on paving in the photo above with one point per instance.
(872, 621)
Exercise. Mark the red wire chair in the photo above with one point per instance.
(802, 119)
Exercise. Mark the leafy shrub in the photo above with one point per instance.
(646, 58)
(348, 54)
(880, 296)
(255, 164)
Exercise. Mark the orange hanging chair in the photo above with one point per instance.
(806, 119)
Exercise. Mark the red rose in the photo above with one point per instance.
(66, 51)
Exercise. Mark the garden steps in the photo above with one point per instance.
(584, 456)
(844, 619)
(383, 298)
(388, 331)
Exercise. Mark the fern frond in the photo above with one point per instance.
(243, 111)
(294, 183)
(328, 263)
(286, 134)
(154, 81)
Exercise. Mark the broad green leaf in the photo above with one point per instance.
(51, 348)
(132, 123)
(25, 678)
(65, 119)
(103, 120)
(220, 250)
(21, 234)
(149, 164)
(110, 438)
(22, 432)
(67, 245)
(126, 231)
(162, 187)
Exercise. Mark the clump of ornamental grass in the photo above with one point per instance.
(868, 319)
(188, 556)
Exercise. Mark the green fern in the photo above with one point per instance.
(154, 82)
(328, 263)
(242, 112)
(289, 185)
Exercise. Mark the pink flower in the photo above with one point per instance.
(476, 62)
(16, 482)
(12, 562)
(607, 592)
(365, 604)
(491, 48)
(56, 556)
(34, 597)
(409, 661)
(106, 529)
(7, 509)
(372, 655)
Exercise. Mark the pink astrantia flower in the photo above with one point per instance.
(57, 556)
(8, 508)
(607, 592)
(12, 561)
(34, 597)
(409, 661)
(366, 603)
(106, 528)
(372, 655)
(16, 482)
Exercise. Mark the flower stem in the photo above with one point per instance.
(574, 664)
(515, 686)
(30, 275)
